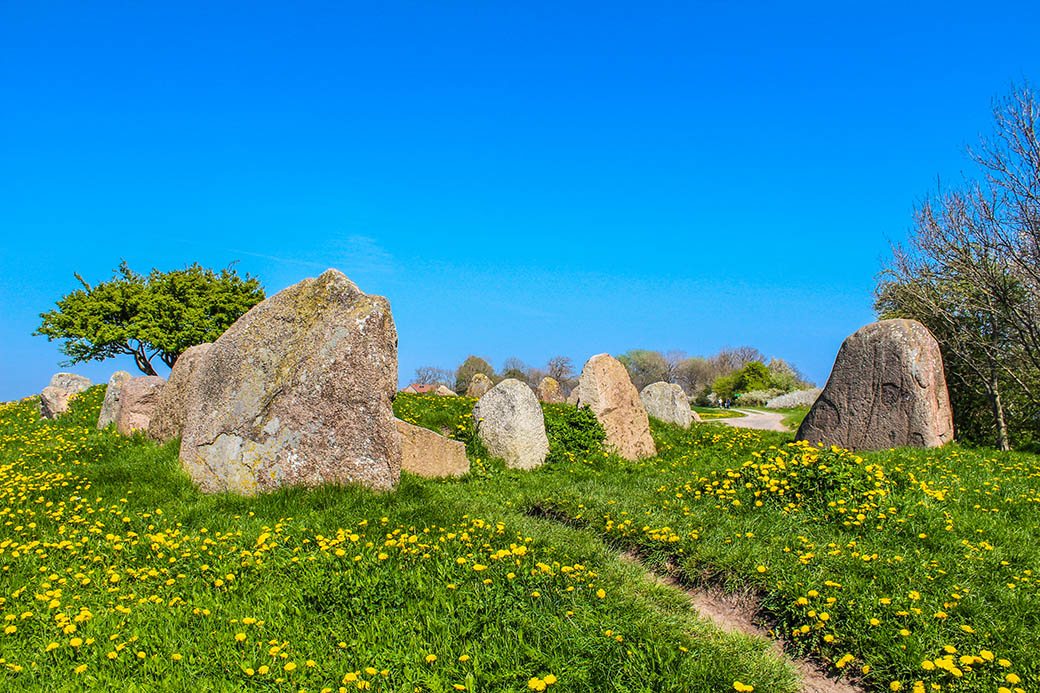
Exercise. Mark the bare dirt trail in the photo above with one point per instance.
(759, 420)
(735, 613)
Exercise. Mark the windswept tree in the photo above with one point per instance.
(158, 315)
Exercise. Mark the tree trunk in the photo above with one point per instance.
(998, 410)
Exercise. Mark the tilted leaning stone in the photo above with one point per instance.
(549, 391)
(668, 402)
(887, 389)
(574, 396)
(430, 454)
(171, 411)
(510, 423)
(298, 391)
(610, 394)
(137, 401)
(110, 407)
(478, 385)
(443, 391)
(54, 400)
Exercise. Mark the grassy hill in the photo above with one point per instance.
(898, 567)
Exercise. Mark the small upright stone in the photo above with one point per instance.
(430, 454)
(667, 402)
(479, 384)
(137, 400)
(298, 392)
(54, 400)
(887, 389)
(574, 396)
(110, 407)
(510, 423)
(549, 391)
(610, 394)
(442, 391)
(171, 411)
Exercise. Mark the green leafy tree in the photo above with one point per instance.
(645, 367)
(470, 367)
(753, 376)
(158, 315)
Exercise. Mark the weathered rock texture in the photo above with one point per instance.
(609, 392)
(478, 385)
(668, 402)
(110, 407)
(887, 389)
(509, 421)
(573, 397)
(549, 391)
(442, 391)
(298, 392)
(430, 454)
(171, 411)
(137, 401)
(54, 400)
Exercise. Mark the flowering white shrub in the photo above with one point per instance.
(798, 398)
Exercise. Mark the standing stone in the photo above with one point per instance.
(171, 411)
(479, 384)
(609, 392)
(429, 454)
(442, 391)
(668, 402)
(573, 397)
(887, 389)
(137, 401)
(549, 391)
(54, 400)
(110, 407)
(297, 392)
(509, 421)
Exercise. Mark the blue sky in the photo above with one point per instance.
(525, 180)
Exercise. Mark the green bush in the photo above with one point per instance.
(573, 433)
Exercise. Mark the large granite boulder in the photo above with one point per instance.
(443, 391)
(297, 392)
(171, 411)
(430, 454)
(608, 391)
(54, 400)
(668, 402)
(574, 396)
(110, 407)
(137, 401)
(549, 391)
(887, 389)
(510, 423)
(478, 385)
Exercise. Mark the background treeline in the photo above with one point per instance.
(970, 272)
(743, 375)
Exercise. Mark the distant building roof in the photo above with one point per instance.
(422, 388)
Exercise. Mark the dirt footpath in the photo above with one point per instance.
(759, 420)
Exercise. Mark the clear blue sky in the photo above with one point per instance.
(524, 179)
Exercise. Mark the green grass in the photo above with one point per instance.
(926, 542)
(709, 413)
